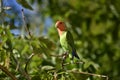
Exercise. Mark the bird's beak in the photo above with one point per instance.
(56, 25)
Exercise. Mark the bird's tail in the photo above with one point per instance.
(74, 54)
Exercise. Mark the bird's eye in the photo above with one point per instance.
(60, 22)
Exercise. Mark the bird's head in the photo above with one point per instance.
(60, 26)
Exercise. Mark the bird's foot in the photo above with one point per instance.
(64, 56)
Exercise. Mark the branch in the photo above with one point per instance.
(7, 72)
(27, 62)
(24, 22)
(55, 76)
(56, 55)
(23, 73)
(73, 63)
(64, 54)
(86, 73)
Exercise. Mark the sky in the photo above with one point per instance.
(30, 15)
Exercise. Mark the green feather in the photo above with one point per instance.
(67, 42)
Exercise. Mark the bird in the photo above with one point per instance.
(66, 39)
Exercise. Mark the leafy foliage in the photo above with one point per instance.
(96, 30)
(25, 4)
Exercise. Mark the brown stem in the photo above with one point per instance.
(86, 73)
(7, 72)
(56, 55)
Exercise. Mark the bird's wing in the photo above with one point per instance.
(70, 40)
(71, 43)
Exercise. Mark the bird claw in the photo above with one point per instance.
(64, 56)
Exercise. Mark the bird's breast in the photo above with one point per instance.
(64, 43)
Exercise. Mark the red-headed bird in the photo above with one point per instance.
(66, 39)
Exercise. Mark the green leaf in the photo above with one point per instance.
(36, 77)
(25, 4)
(47, 67)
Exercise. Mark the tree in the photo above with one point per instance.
(32, 55)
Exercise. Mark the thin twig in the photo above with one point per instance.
(64, 56)
(86, 73)
(27, 62)
(56, 55)
(7, 72)
(24, 23)
(73, 63)
(21, 70)
(1, 5)
(55, 75)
